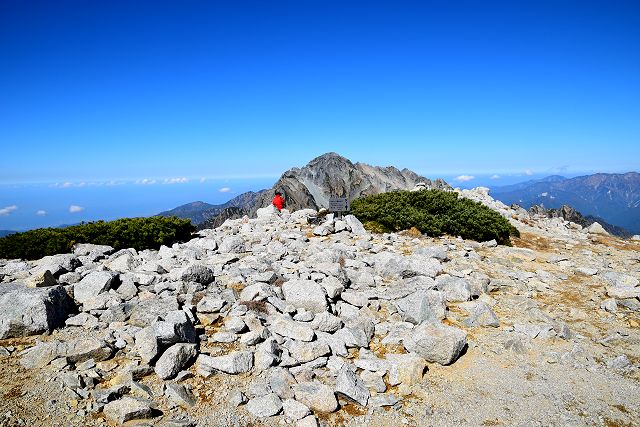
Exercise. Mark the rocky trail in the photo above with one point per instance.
(304, 320)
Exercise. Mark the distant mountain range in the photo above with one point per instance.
(201, 212)
(310, 187)
(612, 197)
(6, 232)
(570, 214)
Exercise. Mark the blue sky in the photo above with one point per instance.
(128, 91)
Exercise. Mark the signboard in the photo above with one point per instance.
(338, 204)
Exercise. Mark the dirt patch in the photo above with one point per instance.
(532, 241)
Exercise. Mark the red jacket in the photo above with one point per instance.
(278, 202)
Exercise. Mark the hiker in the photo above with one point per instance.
(278, 201)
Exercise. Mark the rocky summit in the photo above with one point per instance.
(304, 319)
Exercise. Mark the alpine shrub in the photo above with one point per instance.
(433, 212)
(138, 233)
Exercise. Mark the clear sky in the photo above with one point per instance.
(158, 90)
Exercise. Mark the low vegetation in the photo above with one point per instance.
(433, 212)
(138, 233)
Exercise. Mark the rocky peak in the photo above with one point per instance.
(333, 175)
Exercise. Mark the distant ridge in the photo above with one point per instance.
(612, 197)
(199, 212)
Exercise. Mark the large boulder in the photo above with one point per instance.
(30, 311)
(436, 342)
(92, 285)
(305, 294)
(422, 305)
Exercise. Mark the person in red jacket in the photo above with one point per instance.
(278, 201)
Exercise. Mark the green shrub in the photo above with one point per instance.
(434, 212)
(138, 233)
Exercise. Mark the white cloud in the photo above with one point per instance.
(66, 185)
(464, 178)
(7, 210)
(41, 212)
(495, 176)
(182, 180)
(203, 179)
(146, 181)
(75, 209)
(528, 172)
(224, 190)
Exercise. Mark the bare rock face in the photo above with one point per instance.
(29, 311)
(333, 175)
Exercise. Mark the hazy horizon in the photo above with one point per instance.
(54, 204)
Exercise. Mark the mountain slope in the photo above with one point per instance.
(613, 197)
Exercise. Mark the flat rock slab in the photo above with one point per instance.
(232, 363)
(127, 409)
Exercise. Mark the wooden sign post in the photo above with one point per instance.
(339, 205)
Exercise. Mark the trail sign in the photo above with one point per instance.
(338, 204)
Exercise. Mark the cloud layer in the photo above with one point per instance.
(464, 178)
(8, 210)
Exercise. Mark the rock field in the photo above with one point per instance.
(303, 319)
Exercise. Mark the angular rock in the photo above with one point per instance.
(41, 279)
(394, 265)
(265, 406)
(199, 274)
(420, 306)
(482, 315)
(454, 289)
(436, 342)
(405, 369)
(42, 354)
(210, 304)
(308, 421)
(290, 328)
(127, 409)
(83, 349)
(232, 245)
(233, 363)
(176, 327)
(146, 344)
(305, 294)
(294, 410)
(92, 285)
(316, 396)
(349, 385)
(332, 286)
(180, 395)
(355, 225)
(596, 228)
(174, 359)
(305, 352)
(326, 322)
(29, 311)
